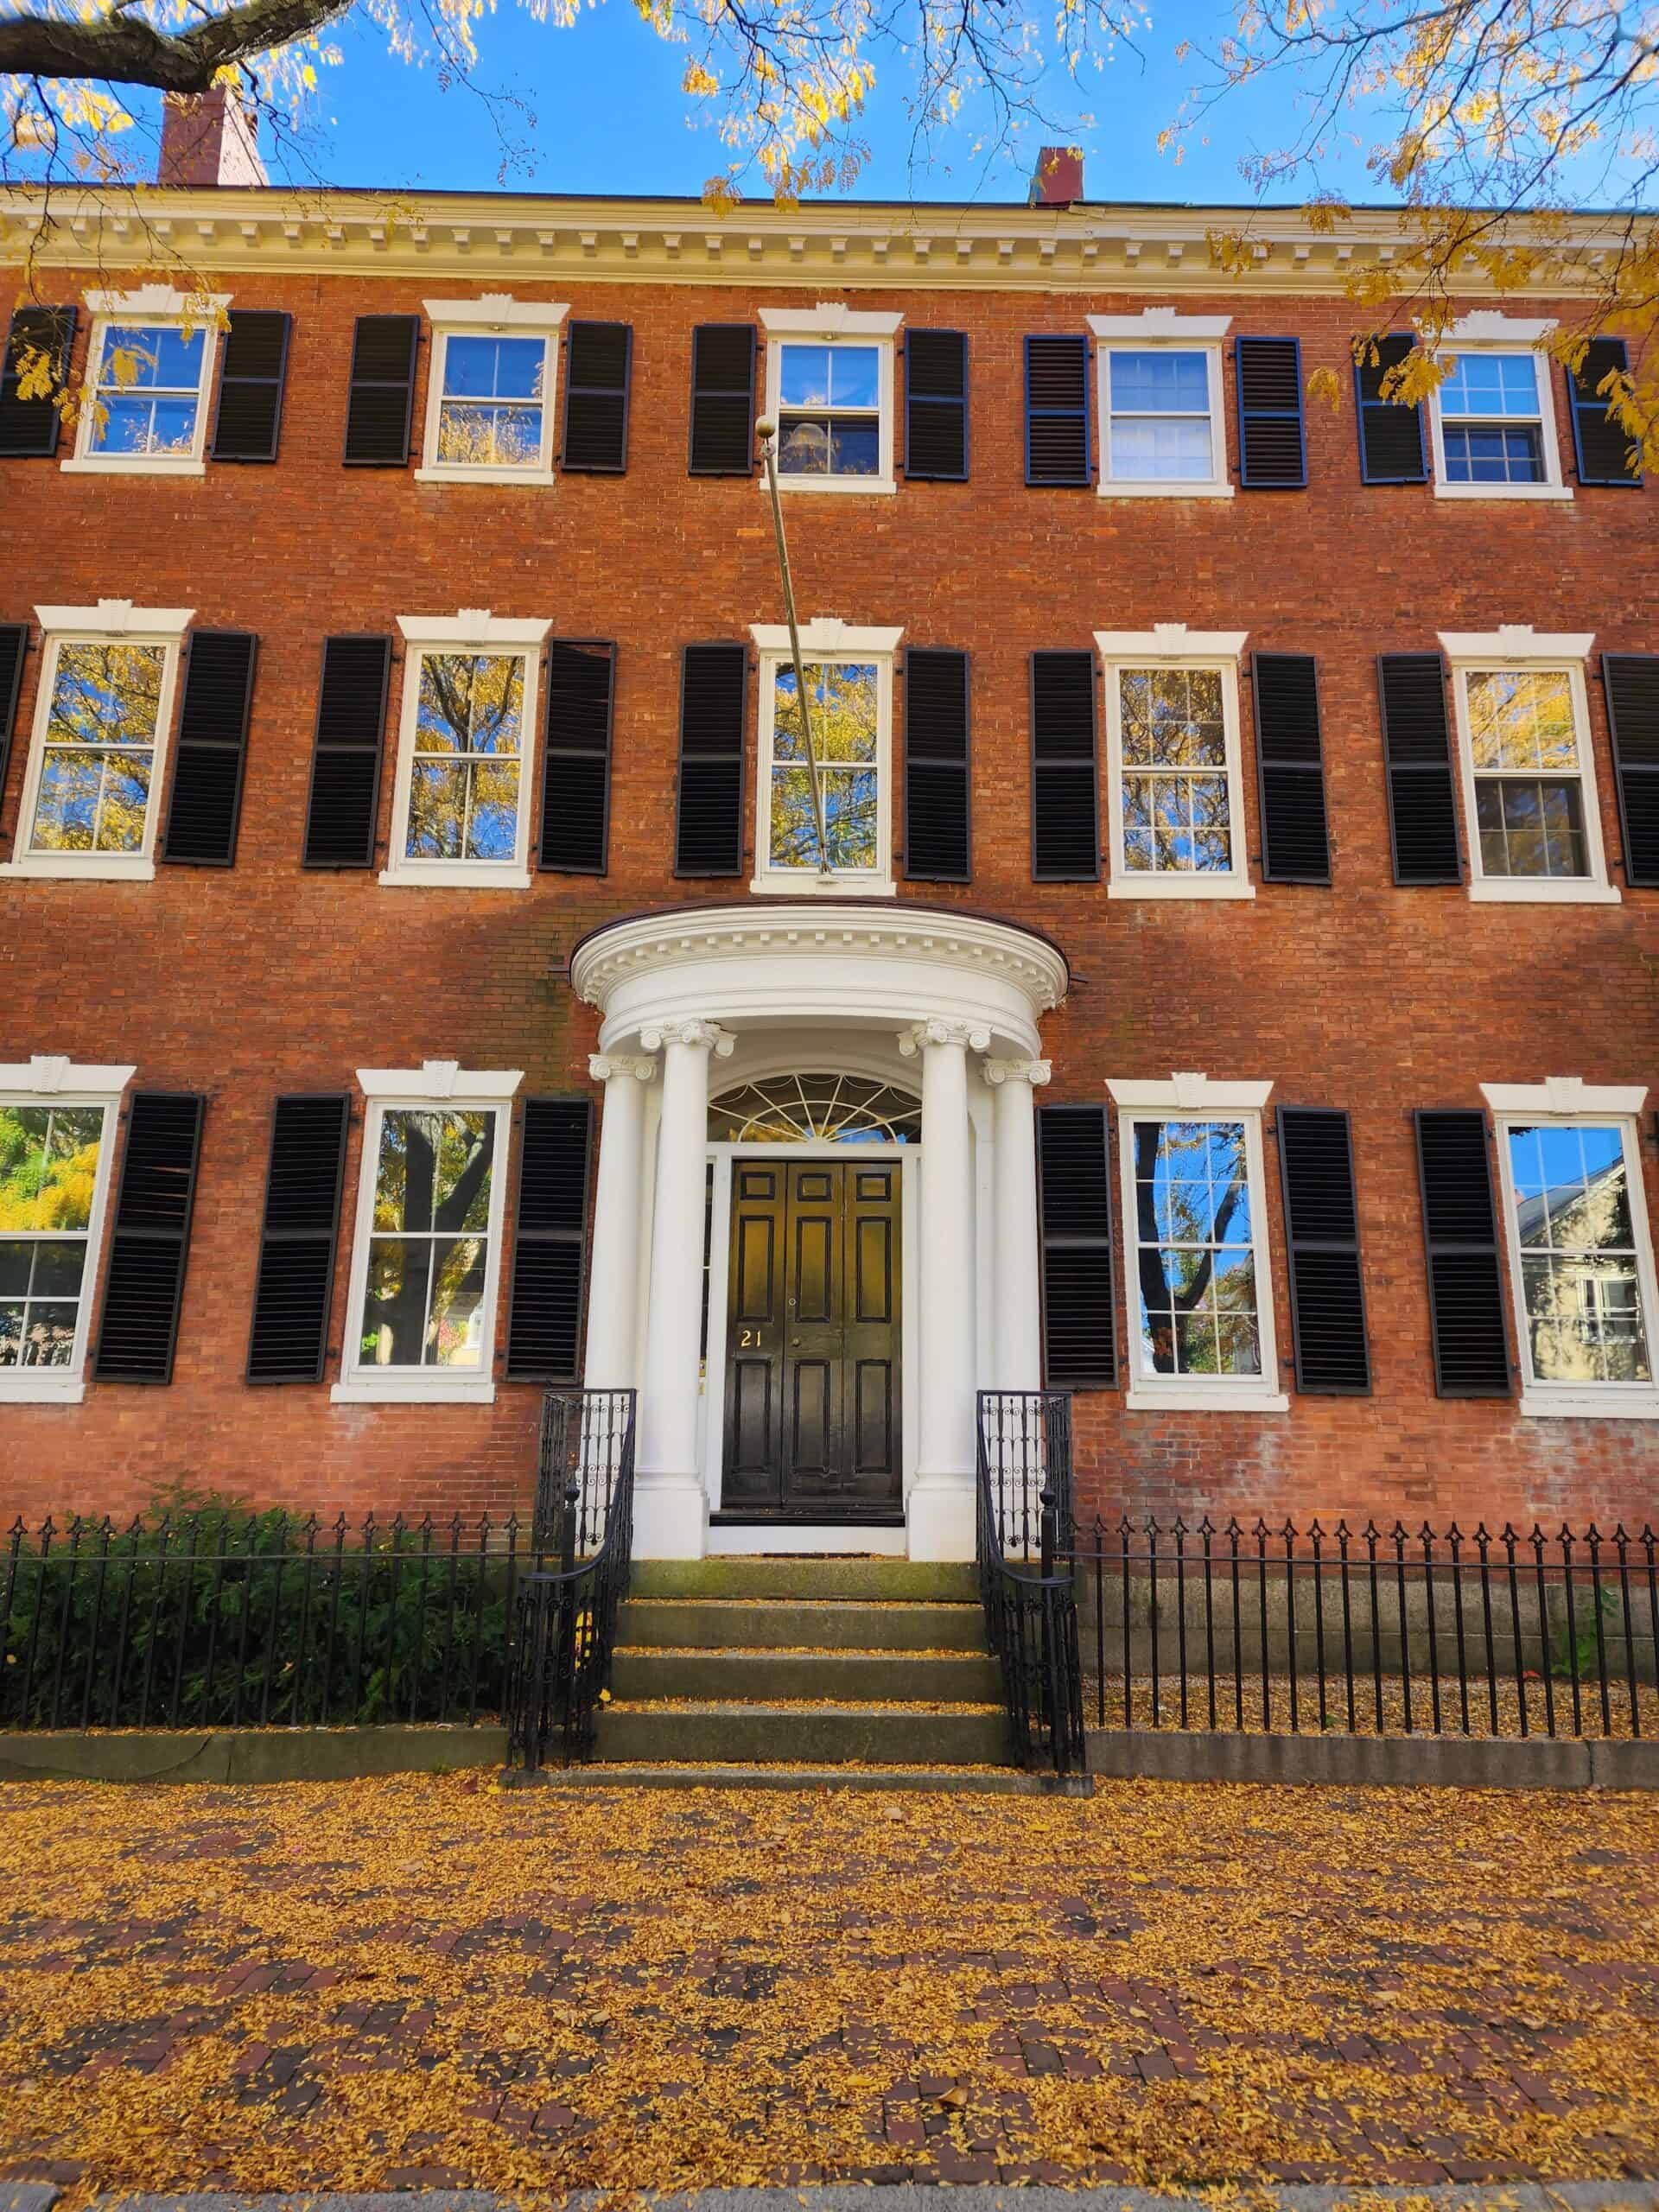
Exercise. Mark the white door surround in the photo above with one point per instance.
(865, 988)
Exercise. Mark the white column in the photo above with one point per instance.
(613, 1262)
(939, 1510)
(669, 1520)
(1016, 1316)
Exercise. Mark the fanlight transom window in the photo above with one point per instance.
(825, 1108)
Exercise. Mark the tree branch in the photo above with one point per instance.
(122, 50)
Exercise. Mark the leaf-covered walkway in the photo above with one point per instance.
(429, 1981)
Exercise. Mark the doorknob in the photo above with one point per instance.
(794, 1340)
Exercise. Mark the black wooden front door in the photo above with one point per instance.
(812, 1339)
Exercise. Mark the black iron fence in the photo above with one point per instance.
(1025, 1577)
(222, 1617)
(1377, 1631)
(565, 1624)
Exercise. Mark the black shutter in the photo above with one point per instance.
(249, 418)
(937, 845)
(382, 402)
(1465, 1294)
(597, 370)
(294, 1289)
(1271, 445)
(14, 643)
(1290, 766)
(576, 758)
(550, 1250)
(709, 824)
(722, 399)
(1605, 452)
(206, 805)
(145, 1284)
(1327, 1297)
(1064, 798)
(1422, 813)
(936, 405)
(1075, 1211)
(1632, 681)
(1057, 410)
(345, 802)
(1392, 448)
(29, 428)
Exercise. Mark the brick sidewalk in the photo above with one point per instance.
(426, 1981)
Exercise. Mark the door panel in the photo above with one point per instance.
(813, 1425)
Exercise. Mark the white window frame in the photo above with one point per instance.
(1519, 647)
(112, 621)
(1187, 1097)
(1565, 1101)
(826, 325)
(1488, 332)
(1171, 645)
(475, 630)
(496, 315)
(156, 305)
(45, 1081)
(441, 1086)
(824, 638)
(1161, 330)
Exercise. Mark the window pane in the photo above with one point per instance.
(1491, 385)
(804, 379)
(1195, 1262)
(1530, 829)
(855, 448)
(140, 357)
(1494, 456)
(464, 785)
(1159, 383)
(1578, 1262)
(106, 695)
(493, 368)
(48, 1165)
(1523, 718)
(478, 434)
(92, 802)
(1146, 450)
(854, 376)
(1172, 717)
(803, 448)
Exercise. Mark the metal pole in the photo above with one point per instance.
(768, 433)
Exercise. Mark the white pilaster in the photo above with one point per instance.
(669, 1503)
(614, 1264)
(939, 1511)
(1017, 1305)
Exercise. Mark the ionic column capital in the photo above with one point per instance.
(709, 1034)
(602, 1066)
(1031, 1071)
(967, 1036)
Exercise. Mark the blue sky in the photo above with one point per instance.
(609, 116)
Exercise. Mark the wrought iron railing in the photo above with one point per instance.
(1026, 1580)
(564, 1629)
(1375, 1631)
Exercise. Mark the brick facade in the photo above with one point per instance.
(244, 982)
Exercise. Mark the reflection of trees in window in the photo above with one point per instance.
(1528, 795)
(1579, 1285)
(463, 786)
(844, 700)
(48, 1169)
(1195, 1255)
(100, 748)
(149, 389)
(1176, 814)
(490, 414)
(424, 1304)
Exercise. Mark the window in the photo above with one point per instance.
(147, 370)
(850, 702)
(831, 390)
(1493, 415)
(57, 1125)
(1528, 786)
(1172, 764)
(1581, 1265)
(101, 727)
(489, 410)
(1160, 417)
(461, 812)
(1199, 1297)
(427, 1257)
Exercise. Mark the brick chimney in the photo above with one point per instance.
(208, 138)
(1059, 179)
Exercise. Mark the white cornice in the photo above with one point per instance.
(439, 1079)
(495, 311)
(1564, 1095)
(474, 625)
(1192, 1094)
(831, 318)
(511, 239)
(48, 1076)
(1171, 641)
(1154, 325)
(158, 303)
(1516, 641)
(117, 618)
(825, 634)
(1492, 327)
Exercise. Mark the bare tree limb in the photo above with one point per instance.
(121, 50)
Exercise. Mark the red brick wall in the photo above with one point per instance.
(263, 978)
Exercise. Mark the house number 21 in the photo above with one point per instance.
(749, 1336)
